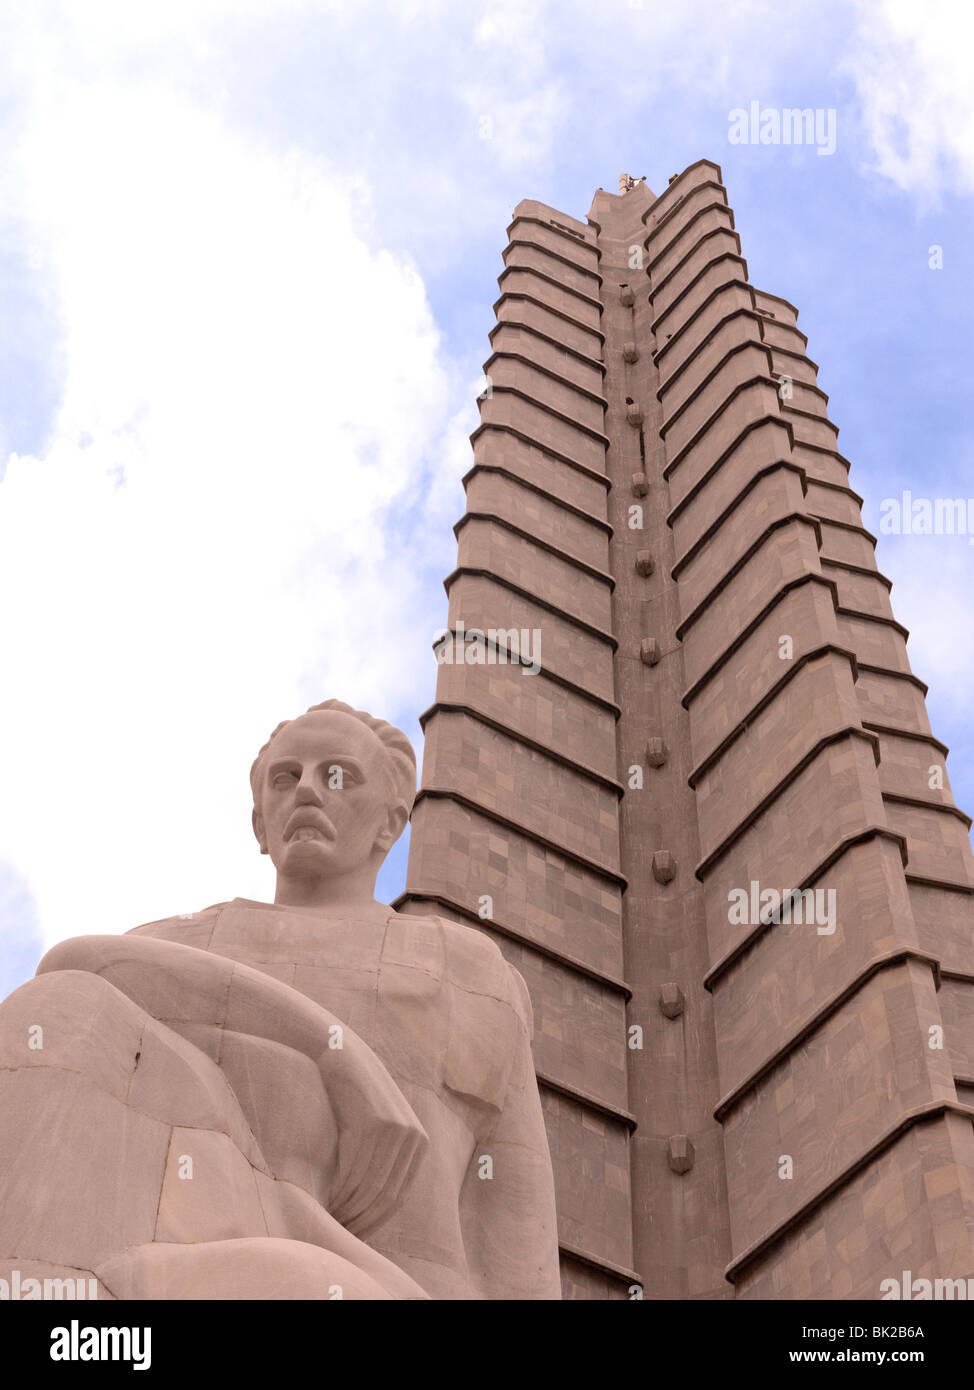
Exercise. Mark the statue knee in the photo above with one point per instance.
(73, 1020)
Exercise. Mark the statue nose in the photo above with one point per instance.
(306, 794)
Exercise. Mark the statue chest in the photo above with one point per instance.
(393, 984)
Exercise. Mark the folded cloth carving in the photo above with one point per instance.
(178, 1124)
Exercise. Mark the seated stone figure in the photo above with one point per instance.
(315, 1098)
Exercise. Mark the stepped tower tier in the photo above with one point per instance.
(676, 688)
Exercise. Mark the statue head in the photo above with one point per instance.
(332, 793)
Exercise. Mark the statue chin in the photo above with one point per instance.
(307, 855)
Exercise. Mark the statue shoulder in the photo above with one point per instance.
(477, 964)
(490, 1028)
(188, 928)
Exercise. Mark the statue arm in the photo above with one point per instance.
(510, 1230)
(155, 1055)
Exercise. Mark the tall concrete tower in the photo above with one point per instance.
(708, 822)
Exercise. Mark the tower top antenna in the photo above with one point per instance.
(626, 181)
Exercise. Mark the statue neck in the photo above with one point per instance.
(335, 895)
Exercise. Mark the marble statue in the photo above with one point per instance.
(315, 1098)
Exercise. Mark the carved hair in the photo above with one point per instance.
(400, 761)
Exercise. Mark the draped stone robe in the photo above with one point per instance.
(260, 1101)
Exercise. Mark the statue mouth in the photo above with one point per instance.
(307, 829)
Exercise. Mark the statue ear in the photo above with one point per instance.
(257, 821)
(396, 819)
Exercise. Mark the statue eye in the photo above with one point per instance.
(283, 780)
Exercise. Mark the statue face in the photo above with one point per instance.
(325, 805)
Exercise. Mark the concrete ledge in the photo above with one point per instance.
(598, 632)
(766, 699)
(583, 770)
(526, 298)
(922, 1114)
(540, 491)
(714, 593)
(816, 1019)
(547, 251)
(872, 832)
(593, 571)
(544, 448)
(573, 856)
(726, 256)
(593, 362)
(849, 731)
(550, 280)
(546, 673)
(572, 238)
(503, 929)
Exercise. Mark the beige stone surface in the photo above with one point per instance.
(202, 1120)
(636, 410)
(761, 648)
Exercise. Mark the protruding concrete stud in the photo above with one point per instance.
(627, 297)
(681, 1153)
(671, 1000)
(630, 352)
(644, 562)
(664, 866)
(633, 414)
(656, 752)
(640, 484)
(649, 651)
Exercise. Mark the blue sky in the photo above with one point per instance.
(247, 258)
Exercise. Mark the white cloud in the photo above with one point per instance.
(251, 393)
(911, 66)
(931, 587)
(509, 88)
(224, 523)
